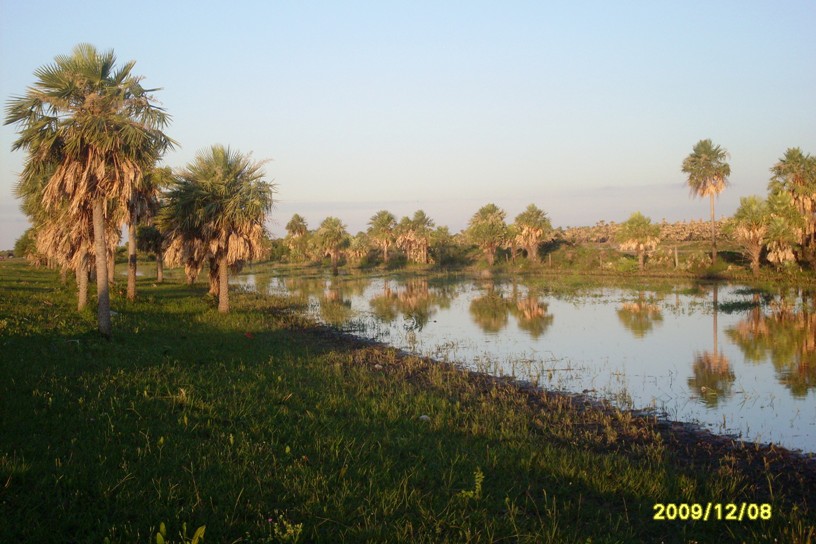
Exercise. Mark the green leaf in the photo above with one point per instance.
(199, 534)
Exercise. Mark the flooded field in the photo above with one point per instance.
(735, 360)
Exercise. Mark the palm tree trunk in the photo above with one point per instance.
(532, 252)
(716, 309)
(131, 286)
(102, 291)
(111, 264)
(190, 271)
(641, 260)
(215, 277)
(713, 234)
(223, 285)
(159, 267)
(82, 281)
(385, 254)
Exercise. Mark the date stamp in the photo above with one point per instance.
(712, 511)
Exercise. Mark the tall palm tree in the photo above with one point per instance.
(708, 173)
(532, 227)
(331, 239)
(488, 230)
(422, 225)
(100, 128)
(381, 230)
(638, 233)
(227, 200)
(795, 173)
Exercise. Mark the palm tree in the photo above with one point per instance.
(332, 238)
(441, 243)
(488, 230)
(177, 219)
(785, 226)
(142, 205)
(422, 226)
(227, 200)
(708, 173)
(795, 173)
(151, 240)
(61, 236)
(381, 229)
(414, 236)
(297, 226)
(100, 128)
(359, 247)
(297, 232)
(532, 227)
(749, 228)
(638, 234)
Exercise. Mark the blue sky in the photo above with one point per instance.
(586, 109)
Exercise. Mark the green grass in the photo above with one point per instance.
(265, 428)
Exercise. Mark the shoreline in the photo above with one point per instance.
(694, 446)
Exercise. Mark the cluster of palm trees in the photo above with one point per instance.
(93, 136)
(707, 170)
(417, 238)
(781, 227)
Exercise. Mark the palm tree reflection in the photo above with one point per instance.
(640, 316)
(414, 300)
(531, 314)
(786, 335)
(713, 376)
(334, 308)
(490, 311)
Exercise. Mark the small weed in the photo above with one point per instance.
(476, 492)
(198, 536)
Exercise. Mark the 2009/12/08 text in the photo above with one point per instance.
(713, 511)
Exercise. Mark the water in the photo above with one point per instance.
(733, 360)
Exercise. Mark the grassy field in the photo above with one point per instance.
(263, 427)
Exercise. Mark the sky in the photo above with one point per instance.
(583, 108)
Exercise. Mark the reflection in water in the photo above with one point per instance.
(414, 300)
(787, 336)
(490, 310)
(531, 314)
(334, 308)
(763, 380)
(640, 316)
(713, 376)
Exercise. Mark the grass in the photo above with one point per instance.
(264, 427)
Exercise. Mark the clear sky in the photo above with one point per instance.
(586, 109)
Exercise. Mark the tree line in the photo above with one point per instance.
(417, 238)
(781, 228)
(94, 138)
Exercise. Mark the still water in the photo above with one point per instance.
(734, 360)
